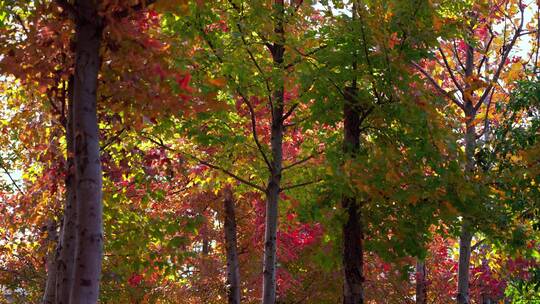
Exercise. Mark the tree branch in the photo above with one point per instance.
(437, 87)
(206, 163)
(299, 162)
(507, 49)
(449, 69)
(68, 7)
(299, 185)
(10, 177)
(254, 129)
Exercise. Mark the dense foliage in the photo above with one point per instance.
(227, 151)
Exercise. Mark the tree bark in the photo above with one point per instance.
(353, 232)
(66, 244)
(466, 228)
(276, 142)
(421, 280)
(233, 268)
(49, 294)
(87, 271)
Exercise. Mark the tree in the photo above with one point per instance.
(473, 67)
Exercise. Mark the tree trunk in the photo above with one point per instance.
(466, 229)
(66, 244)
(87, 271)
(233, 268)
(353, 234)
(49, 294)
(274, 181)
(421, 278)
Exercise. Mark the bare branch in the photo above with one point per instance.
(308, 54)
(486, 50)
(507, 49)
(113, 139)
(232, 175)
(437, 87)
(303, 160)
(456, 54)
(477, 244)
(289, 113)
(256, 63)
(254, 129)
(299, 185)
(449, 69)
(10, 177)
(206, 163)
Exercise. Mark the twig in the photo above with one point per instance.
(299, 185)
(437, 87)
(10, 177)
(206, 163)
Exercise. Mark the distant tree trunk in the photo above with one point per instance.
(68, 235)
(205, 246)
(87, 271)
(466, 228)
(49, 294)
(421, 280)
(276, 142)
(233, 268)
(353, 232)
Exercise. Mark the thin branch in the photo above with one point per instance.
(437, 87)
(486, 118)
(244, 98)
(10, 177)
(21, 22)
(473, 247)
(113, 139)
(299, 185)
(289, 113)
(230, 174)
(308, 54)
(254, 129)
(486, 50)
(303, 160)
(507, 49)
(256, 63)
(456, 53)
(449, 69)
(206, 163)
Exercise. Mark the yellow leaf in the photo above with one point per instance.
(515, 71)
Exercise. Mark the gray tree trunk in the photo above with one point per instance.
(49, 294)
(68, 235)
(87, 271)
(421, 280)
(466, 229)
(233, 267)
(274, 181)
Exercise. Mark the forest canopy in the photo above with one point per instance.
(270, 151)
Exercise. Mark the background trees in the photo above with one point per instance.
(384, 129)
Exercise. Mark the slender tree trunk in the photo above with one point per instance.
(353, 234)
(233, 268)
(87, 271)
(274, 181)
(49, 294)
(421, 286)
(466, 229)
(66, 244)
